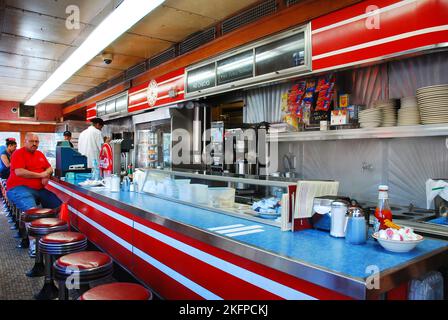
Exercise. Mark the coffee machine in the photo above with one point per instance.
(241, 153)
(122, 143)
(217, 146)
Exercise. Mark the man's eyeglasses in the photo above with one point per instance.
(33, 141)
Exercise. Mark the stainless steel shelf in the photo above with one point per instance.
(229, 211)
(269, 181)
(431, 130)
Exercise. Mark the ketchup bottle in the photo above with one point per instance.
(382, 211)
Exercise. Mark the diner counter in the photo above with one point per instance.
(200, 251)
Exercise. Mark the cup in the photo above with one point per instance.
(107, 182)
(115, 183)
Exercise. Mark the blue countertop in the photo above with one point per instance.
(440, 220)
(311, 247)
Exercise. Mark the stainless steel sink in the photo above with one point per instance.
(413, 214)
(402, 217)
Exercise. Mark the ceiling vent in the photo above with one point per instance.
(248, 16)
(103, 86)
(197, 40)
(291, 2)
(135, 70)
(163, 57)
(117, 80)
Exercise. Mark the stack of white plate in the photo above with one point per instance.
(389, 111)
(408, 115)
(370, 118)
(433, 104)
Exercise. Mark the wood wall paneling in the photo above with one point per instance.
(171, 24)
(138, 45)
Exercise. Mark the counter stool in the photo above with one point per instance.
(82, 268)
(15, 217)
(37, 229)
(52, 246)
(117, 291)
(28, 216)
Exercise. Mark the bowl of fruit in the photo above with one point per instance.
(398, 239)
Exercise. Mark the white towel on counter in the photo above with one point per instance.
(307, 190)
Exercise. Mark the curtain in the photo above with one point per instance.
(406, 76)
(264, 104)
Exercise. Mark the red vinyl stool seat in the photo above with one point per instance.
(30, 215)
(36, 213)
(85, 266)
(47, 223)
(52, 246)
(39, 228)
(63, 237)
(118, 291)
(85, 260)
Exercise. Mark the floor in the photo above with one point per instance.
(14, 263)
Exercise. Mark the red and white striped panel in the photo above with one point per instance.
(91, 111)
(177, 266)
(108, 229)
(356, 34)
(138, 99)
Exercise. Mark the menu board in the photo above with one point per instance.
(201, 78)
(110, 106)
(237, 67)
(121, 103)
(100, 109)
(281, 54)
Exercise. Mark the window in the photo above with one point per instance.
(5, 135)
(278, 57)
(27, 111)
(118, 103)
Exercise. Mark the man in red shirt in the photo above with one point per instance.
(30, 172)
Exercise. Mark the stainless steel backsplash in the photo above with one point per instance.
(361, 165)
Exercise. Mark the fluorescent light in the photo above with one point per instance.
(128, 13)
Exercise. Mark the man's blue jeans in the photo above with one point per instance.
(26, 198)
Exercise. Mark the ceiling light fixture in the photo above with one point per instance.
(128, 13)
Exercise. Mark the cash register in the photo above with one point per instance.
(69, 160)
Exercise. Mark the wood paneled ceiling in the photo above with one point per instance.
(34, 40)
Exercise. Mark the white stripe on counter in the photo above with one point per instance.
(225, 227)
(201, 291)
(193, 286)
(110, 213)
(225, 266)
(243, 233)
(94, 224)
(239, 229)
